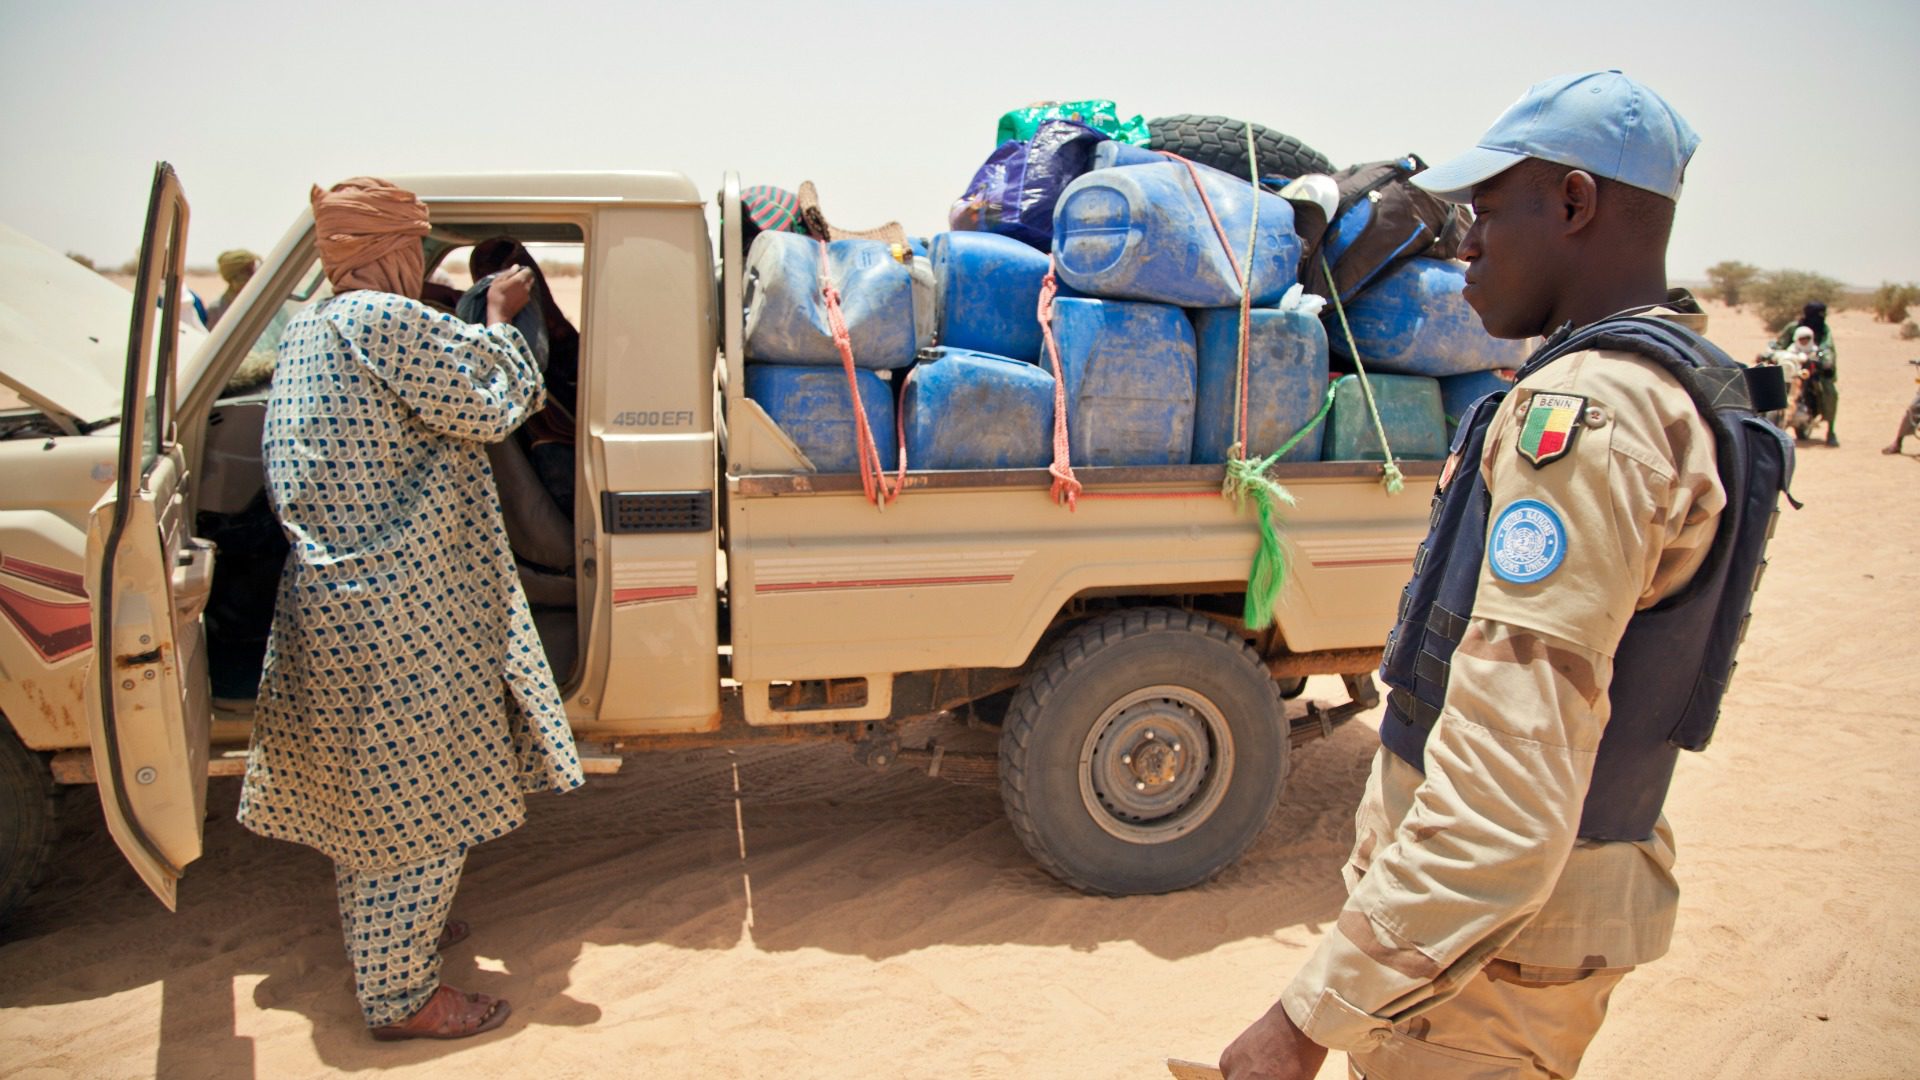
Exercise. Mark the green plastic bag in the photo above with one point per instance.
(1102, 116)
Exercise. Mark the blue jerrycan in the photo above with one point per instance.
(811, 405)
(1286, 382)
(1142, 233)
(986, 290)
(972, 410)
(887, 306)
(1129, 372)
(1414, 321)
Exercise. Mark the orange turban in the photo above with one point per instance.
(369, 235)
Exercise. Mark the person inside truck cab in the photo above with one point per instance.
(406, 707)
(550, 433)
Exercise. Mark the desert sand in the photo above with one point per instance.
(890, 924)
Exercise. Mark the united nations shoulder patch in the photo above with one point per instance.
(1528, 542)
(1548, 429)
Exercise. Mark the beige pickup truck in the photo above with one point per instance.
(710, 586)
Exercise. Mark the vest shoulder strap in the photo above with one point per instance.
(1714, 381)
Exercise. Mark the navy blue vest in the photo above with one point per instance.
(1675, 658)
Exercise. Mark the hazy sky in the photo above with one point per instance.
(1808, 112)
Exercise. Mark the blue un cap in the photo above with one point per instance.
(1602, 122)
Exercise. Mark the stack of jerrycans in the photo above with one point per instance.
(1147, 381)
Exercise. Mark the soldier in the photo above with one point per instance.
(1490, 913)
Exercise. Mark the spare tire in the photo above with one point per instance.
(1221, 142)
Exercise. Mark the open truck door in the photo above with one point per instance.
(148, 701)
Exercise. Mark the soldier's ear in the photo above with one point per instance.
(1579, 199)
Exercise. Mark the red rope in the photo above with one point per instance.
(873, 474)
(1066, 487)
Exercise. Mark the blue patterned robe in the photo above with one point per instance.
(406, 704)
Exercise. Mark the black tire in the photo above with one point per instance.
(1187, 700)
(28, 820)
(1222, 143)
(1292, 688)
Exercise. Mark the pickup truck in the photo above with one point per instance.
(714, 586)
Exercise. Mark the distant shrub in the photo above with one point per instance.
(1890, 301)
(81, 259)
(1908, 331)
(1729, 278)
(1781, 294)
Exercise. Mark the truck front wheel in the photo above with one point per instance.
(27, 819)
(1144, 754)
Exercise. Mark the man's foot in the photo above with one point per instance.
(455, 933)
(1832, 439)
(1894, 449)
(448, 1014)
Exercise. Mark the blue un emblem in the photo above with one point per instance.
(1528, 542)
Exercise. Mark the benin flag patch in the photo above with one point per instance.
(1551, 423)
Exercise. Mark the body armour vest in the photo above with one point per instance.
(1675, 658)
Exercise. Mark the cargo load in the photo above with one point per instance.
(811, 404)
(1129, 374)
(1459, 392)
(1145, 233)
(887, 303)
(1410, 411)
(1414, 321)
(961, 409)
(986, 290)
(1286, 382)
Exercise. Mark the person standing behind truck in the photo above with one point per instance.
(236, 269)
(406, 707)
(1486, 925)
(1823, 370)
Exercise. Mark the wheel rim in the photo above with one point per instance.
(1156, 764)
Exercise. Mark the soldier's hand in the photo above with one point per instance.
(1272, 1048)
(508, 294)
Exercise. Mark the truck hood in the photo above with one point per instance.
(63, 332)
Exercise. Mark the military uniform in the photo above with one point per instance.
(1481, 935)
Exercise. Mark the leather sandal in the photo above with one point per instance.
(449, 1014)
(455, 932)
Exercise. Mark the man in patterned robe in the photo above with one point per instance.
(406, 706)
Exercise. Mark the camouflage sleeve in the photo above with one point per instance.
(1489, 828)
(467, 381)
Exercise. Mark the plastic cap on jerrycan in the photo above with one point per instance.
(986, 289)
(887, 304)
(810, 404)
(1286, 382)
(1143, 233)
(1415, 321)
(972, 410)
(1129, 370)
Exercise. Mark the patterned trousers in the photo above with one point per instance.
(392, 919)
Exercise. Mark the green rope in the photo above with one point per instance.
(1247, 479)
(1390, 472)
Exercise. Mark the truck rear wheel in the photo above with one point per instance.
(27, 820)
(1145, 753)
